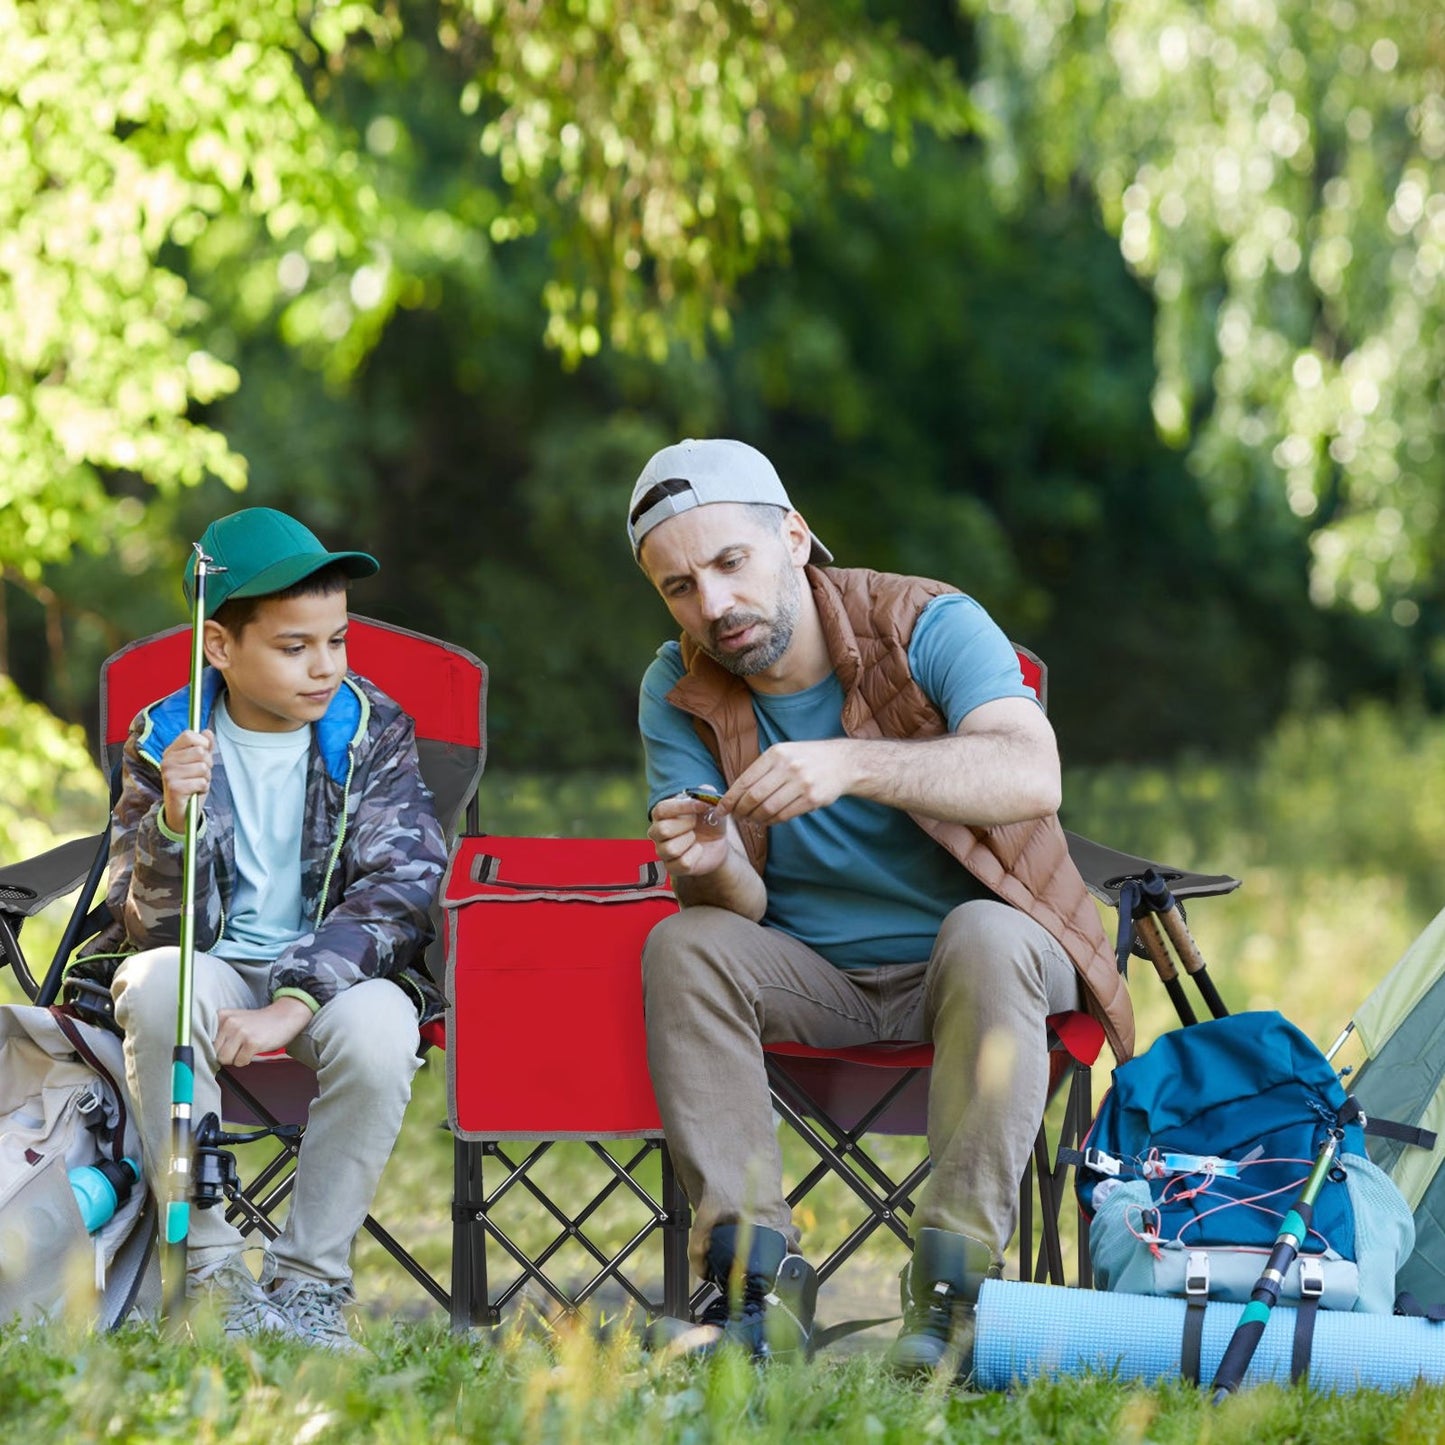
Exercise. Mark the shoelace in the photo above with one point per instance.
(316, 1310)
(718, 1311)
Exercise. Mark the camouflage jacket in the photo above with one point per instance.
(372, 851)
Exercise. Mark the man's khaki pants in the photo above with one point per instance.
(718, 987)
(363, 1046)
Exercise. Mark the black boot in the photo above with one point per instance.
(766, 1296)
(940, 1287)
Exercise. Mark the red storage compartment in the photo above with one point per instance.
(544, 981)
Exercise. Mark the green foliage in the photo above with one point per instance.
(52, 788)
(669, 148)
(1276, 172)
(128, 130)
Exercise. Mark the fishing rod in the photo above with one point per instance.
(1265, 1295)
(177, 1218)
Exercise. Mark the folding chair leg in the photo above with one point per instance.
(1081, 1107)
(470, 1304)
(675, 1269)
(1026, 1220)
(1051, 1248)
(1046, 1264)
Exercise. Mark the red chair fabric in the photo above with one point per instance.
(544, 982)
(544, 936)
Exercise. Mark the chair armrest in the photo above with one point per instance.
(1106, 870)
(26, 888)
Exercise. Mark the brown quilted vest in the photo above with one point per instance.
(868, 620)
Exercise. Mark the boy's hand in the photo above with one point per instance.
(185, 773)
(242, 1033)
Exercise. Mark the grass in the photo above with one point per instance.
(573, 1386)
(1338, 845)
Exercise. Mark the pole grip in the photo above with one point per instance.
(1238, 1353)
(1148, 932)
(175, 1222)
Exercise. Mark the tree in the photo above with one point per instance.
(175, 175)
(1275, 171)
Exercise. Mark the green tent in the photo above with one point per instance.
(1402, 1028)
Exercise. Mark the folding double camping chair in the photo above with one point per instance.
(443, 687)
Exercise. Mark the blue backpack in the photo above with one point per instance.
(1199, 1149)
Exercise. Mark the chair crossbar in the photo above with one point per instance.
(256, 1207)
(792, 1102)
(625, 1177)
(886, 1200)
(571, 1227)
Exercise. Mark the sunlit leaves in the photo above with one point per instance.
(50, 782)
(1275, 172)
(127, 130)
(668, 147)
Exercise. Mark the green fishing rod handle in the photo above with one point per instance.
(178, 1179)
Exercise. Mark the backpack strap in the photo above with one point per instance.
(1404, 1133)
(1196, 1293)
(1352, 1113)
(77, 1040)
(1407, 1304)
(1312, 1288)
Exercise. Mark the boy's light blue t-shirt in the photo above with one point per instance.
(859, 882)
(267, 777)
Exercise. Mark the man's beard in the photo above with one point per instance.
(777, 632)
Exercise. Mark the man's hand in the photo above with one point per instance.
(246, 1032)
(688, 844)
(791, 779)
(185, 773)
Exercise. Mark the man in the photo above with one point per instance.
(884, 864)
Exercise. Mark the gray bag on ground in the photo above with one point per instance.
(63, 1106)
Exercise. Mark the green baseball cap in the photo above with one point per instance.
(260, 551)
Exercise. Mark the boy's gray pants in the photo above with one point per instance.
(718, 987)
(363, 1046)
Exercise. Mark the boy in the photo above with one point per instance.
(317, 861)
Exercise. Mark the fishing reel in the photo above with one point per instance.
(213, 1166)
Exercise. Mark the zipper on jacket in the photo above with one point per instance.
(340, 836)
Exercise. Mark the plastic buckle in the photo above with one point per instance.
(1196, 1273)
(1311, 1277)
(1102, 1163)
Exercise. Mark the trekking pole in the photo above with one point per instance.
(1171, 915)
(1149, 933)
(183, 1063)
(1292, 1234)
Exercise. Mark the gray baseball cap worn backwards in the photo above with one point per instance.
(698, 473)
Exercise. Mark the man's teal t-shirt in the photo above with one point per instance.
(859, 882)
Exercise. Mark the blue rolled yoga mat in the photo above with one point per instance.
(1028, 1331)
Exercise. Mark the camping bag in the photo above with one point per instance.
(1199, 1149)
(61, 1109)
(544, 986)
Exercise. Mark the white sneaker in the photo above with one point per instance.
(312, 1310)
(231, 1291)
